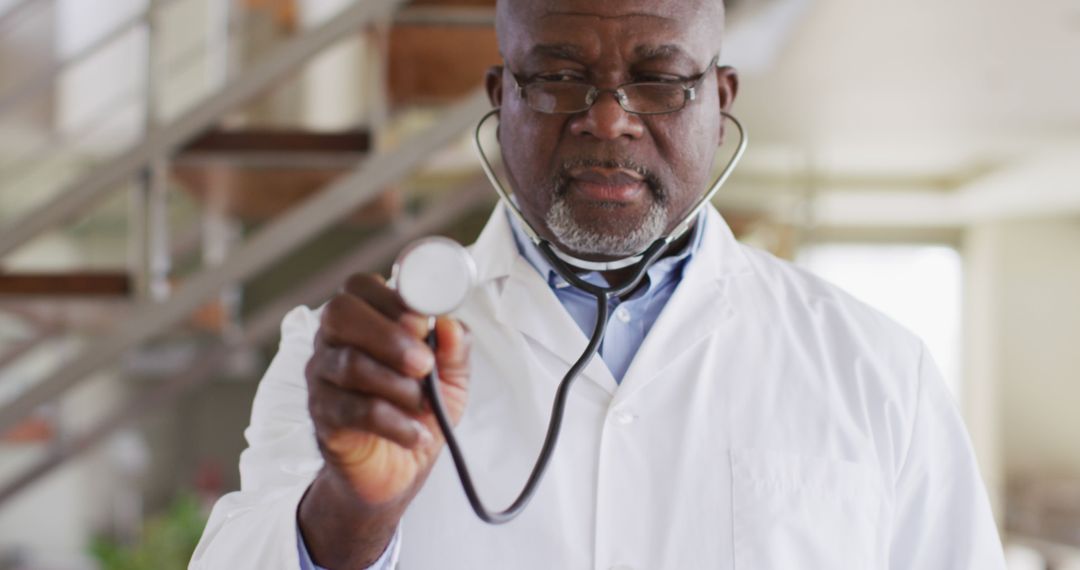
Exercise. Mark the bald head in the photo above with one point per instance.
(705, 17)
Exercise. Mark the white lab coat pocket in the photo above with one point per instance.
(794, 512)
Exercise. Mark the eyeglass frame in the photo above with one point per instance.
(689, 85)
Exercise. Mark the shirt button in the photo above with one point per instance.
(623, 417)
(622, 314)
(622, 567)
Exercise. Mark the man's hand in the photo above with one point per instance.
(375, 430)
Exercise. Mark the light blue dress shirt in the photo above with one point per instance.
(629, 320)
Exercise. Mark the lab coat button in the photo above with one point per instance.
(622, 567)
(622, 314)
(624, 418)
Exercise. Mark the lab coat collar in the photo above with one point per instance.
(526, 302)
(496, 254)
(698, 308)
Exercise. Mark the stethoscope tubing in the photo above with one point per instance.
(561, 262)
(603, 297)
(551, 438)
(678, 231)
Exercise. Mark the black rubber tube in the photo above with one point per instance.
(431, 388)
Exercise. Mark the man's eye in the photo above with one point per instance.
(658, 78)
(559, 77)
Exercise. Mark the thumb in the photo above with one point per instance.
(452, 352)
(452, 359)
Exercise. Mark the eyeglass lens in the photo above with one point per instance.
(574, 97)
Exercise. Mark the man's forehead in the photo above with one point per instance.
(521, 20)
(607, 9)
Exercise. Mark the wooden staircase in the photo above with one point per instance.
(257, 176)
(252, 175)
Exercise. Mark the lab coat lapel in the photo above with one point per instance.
(527, 304)
(696, 310)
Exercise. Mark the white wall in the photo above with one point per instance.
(982, 363)
(1039, 345)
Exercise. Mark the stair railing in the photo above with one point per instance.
(261, 327)
(78, 196)
(284, 234)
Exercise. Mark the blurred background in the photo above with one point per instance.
(176, 174)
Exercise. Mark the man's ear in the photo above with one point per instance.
(494, 84)
(727, 87)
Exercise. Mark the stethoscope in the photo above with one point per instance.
(435, 275)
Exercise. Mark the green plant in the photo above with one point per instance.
(165, 543)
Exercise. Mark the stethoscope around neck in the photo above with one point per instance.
(435, 275)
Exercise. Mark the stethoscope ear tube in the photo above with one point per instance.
(682, 227)
(431, 387)
(565, 265)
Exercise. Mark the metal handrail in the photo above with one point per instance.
(80, 195)
(262, 326)
(13, 13)
(284, 234)
(27, 164)
(24, 166)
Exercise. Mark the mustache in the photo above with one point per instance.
(562, 176)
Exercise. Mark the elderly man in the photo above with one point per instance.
(741, 415)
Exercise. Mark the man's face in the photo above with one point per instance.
(604, 183)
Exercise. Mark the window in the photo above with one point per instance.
(919, 286)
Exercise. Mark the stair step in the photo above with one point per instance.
(34, 429)
(71, 284)
(255, 174)
(255, 141)
(460, 54)
(454, 3)
(431, 64)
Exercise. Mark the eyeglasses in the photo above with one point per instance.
(644, 98)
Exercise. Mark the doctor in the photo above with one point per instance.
(742, 413)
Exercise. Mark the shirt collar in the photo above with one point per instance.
(664, 270)
(718, 257)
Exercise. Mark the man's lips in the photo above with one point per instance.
(608, 184)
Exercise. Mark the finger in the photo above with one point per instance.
(350, 321)
(356, 371)
(453, 349)
(372, 288)
(334, 409)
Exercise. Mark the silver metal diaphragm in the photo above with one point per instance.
(434, 275)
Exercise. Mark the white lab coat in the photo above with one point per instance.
(768, 422)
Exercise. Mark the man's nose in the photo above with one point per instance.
(607, 120)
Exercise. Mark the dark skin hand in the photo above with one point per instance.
(378, 439)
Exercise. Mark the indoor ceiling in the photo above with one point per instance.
(854, 72)
(892, 95)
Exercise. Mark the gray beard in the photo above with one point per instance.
(581, 240)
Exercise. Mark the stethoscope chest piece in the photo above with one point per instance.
(434, 275)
